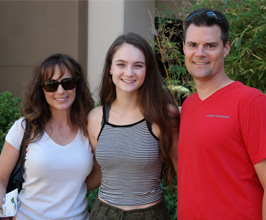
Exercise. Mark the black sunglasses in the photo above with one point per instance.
(51, 85)
(210, 14)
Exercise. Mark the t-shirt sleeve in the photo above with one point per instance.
(15, 134)
(254, 129)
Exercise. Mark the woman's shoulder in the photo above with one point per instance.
(15, 133)
(95, 114)
(94, 125)
(19, 123)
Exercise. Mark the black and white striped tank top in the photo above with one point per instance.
(130, 163)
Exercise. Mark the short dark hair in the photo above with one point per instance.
(208, 17)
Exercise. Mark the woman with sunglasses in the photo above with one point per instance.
(133, 134)
(58, 157)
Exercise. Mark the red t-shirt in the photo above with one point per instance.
(221, 138)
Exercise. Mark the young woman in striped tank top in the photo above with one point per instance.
(134, 135)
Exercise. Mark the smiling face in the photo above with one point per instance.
(128, 68)
(60, 99)
(205, 52)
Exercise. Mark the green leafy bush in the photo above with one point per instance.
(168, 48)
(91, 198)
(246, 61)
(9, 112)
(170, 198)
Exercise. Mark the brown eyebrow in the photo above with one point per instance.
(208, 43)
(123, 61)
(190, 42)
(215, 43)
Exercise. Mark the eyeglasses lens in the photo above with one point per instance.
(51, 85)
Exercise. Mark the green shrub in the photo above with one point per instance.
(170, 198)
(168, 48)
(91, 198)
(9, 112)
(246, 61)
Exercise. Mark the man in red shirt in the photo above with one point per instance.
(222, 142)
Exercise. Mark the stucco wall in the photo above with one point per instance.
(32, 30)
(107, 20)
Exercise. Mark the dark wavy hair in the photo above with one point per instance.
(153, 99)
(34, 107)
(208, 17)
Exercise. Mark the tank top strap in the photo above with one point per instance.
(149, 125)
(107, 112)
(105, 117)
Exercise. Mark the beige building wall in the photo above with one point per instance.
(33, 30)
(107, 20)
(30, 30)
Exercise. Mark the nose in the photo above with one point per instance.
(60, 89)
(200, 51)
(129, 71)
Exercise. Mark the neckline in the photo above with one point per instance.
(216, 92)
(106, 113)
(59, 145)
(126, 125)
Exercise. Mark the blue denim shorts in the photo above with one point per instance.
(104, 211)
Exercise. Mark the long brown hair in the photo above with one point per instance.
(34, 107)
(153, 98)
